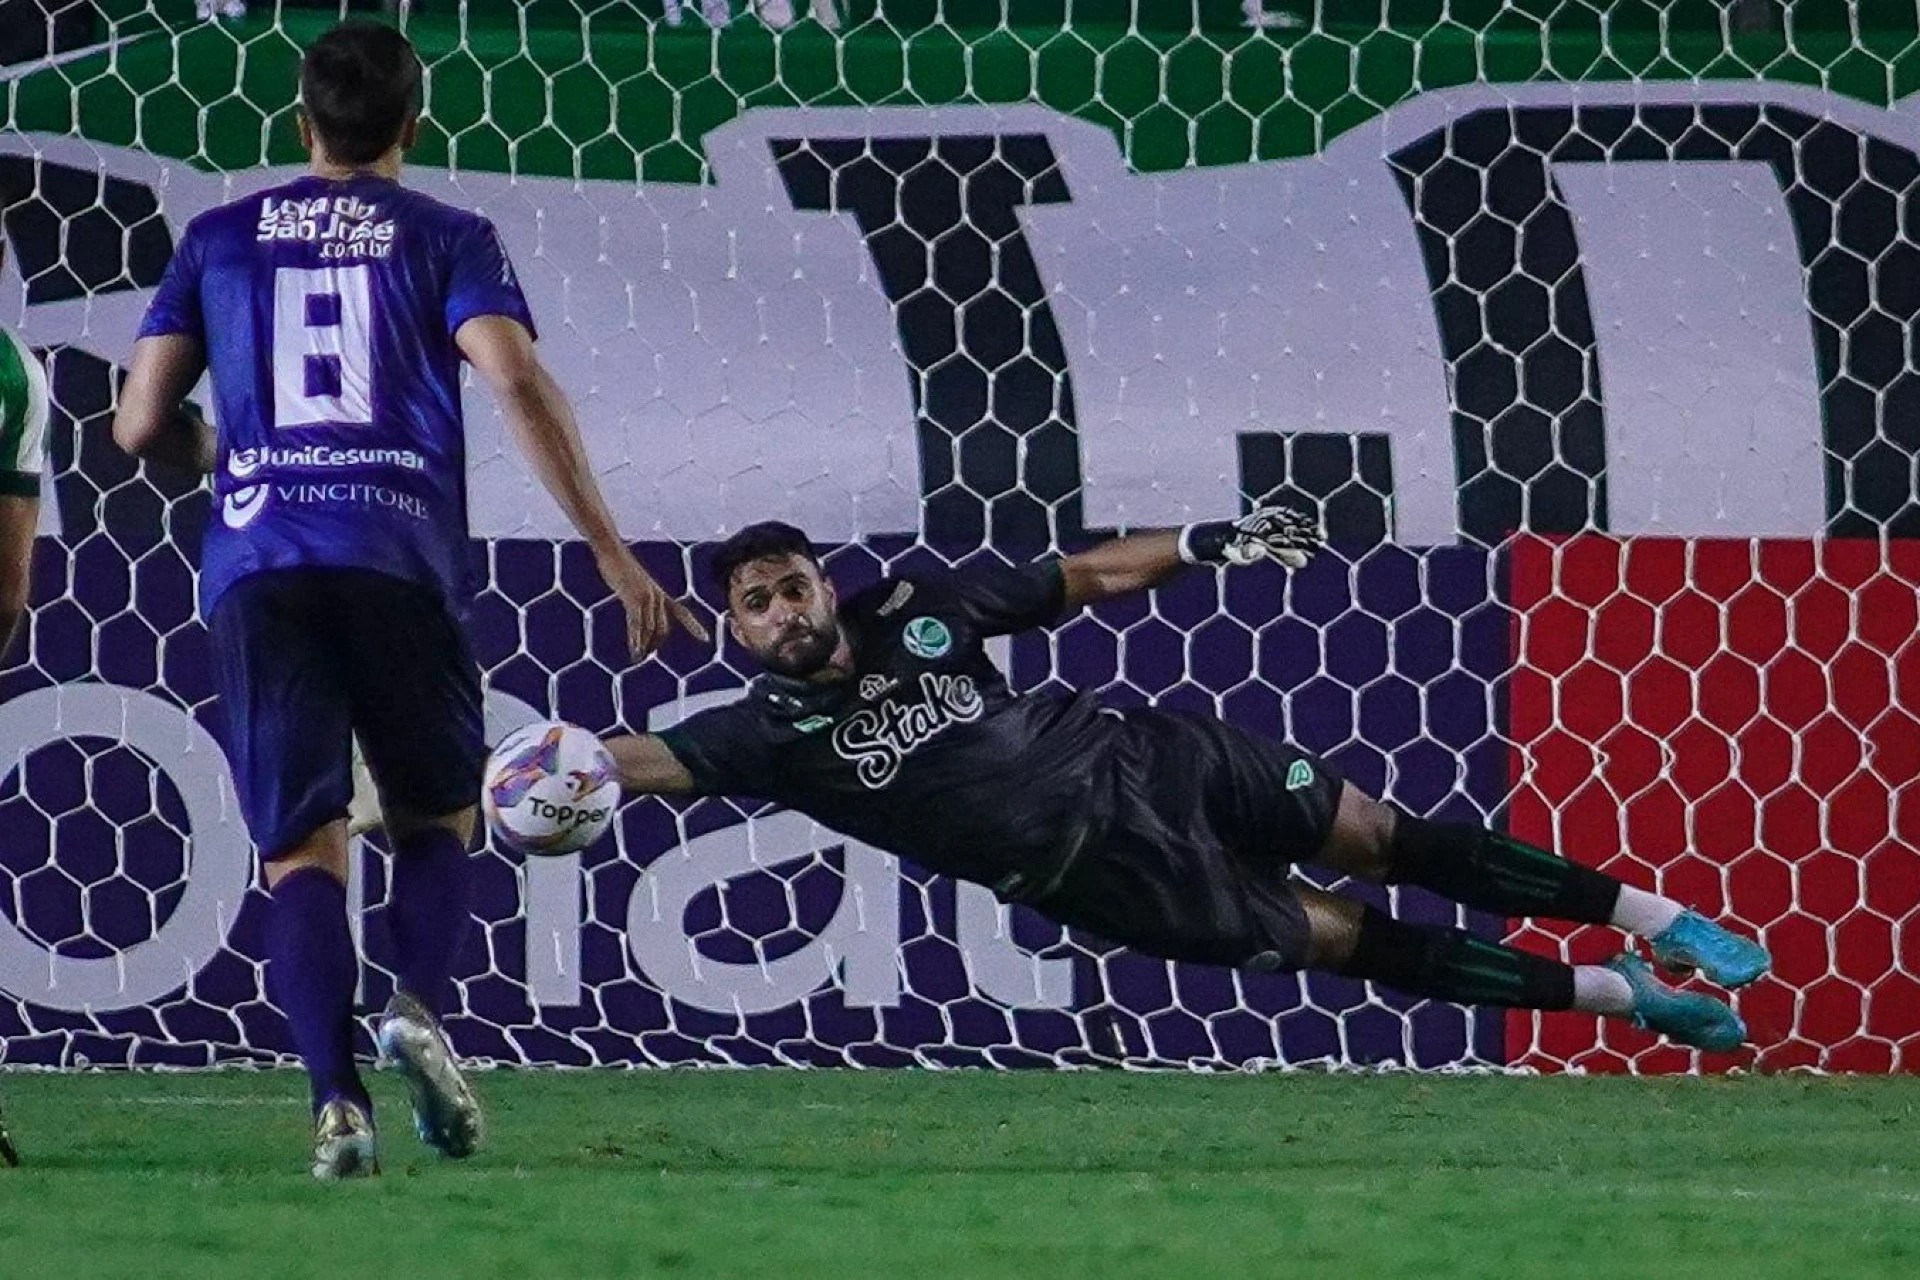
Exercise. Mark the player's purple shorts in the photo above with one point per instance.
(309, 657)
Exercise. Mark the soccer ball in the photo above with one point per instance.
(551, 788)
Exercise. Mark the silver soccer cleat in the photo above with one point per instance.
(343, 1142)
(445, 1112)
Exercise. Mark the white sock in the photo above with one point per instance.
(1643, 914)
(1597, 989)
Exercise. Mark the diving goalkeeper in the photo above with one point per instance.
(1170, 833)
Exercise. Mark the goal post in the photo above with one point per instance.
(1587, 328)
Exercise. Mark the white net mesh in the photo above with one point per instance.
(1587, 329)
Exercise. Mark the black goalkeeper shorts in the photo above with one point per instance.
(1190, 862)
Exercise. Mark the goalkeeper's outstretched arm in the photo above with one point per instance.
(1143, 561)
(648, 767)
(1138, 562)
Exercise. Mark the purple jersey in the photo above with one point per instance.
(327, 311)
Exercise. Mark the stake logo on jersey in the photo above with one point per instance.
(876, 740)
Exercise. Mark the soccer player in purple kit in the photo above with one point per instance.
(333, 313)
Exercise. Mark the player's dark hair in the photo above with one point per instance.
(757, 542)
(360, 84)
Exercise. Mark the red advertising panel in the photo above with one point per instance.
(1737, 723)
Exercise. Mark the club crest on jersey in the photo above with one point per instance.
(927, 638)
(876, 740)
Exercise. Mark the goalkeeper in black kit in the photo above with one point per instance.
(882, 717)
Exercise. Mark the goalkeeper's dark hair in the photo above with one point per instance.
(360, 84)
(757, 542)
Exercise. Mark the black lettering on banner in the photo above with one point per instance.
(1518, 335)
(1516, 330)
(75, 231)
(71, 233)
(999, 451)
(91, 472)
(1348, 479)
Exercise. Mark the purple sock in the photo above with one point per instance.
(314, 971)
(428, 912)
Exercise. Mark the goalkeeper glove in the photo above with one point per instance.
(1265, 533)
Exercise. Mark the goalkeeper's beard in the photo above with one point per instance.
(802, 650)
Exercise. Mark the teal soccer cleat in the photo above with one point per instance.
(1721, 957)
(1686, 1017)
(445, 1112)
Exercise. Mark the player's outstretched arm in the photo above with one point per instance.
(648, 767)
(1143, 561)
(543, 425)
(152, 420)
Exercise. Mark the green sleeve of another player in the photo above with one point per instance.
(23, 419)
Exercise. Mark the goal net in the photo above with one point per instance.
(1587, 328)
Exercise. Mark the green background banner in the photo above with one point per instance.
(595, 90)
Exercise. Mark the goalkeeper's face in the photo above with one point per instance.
(781, 608)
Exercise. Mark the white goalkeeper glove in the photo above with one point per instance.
(1280, 534)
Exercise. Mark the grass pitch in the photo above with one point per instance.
(910, 1174)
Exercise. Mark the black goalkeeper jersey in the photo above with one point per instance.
(924, 752)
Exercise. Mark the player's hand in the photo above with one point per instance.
(1280, 534)
(651, 612)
